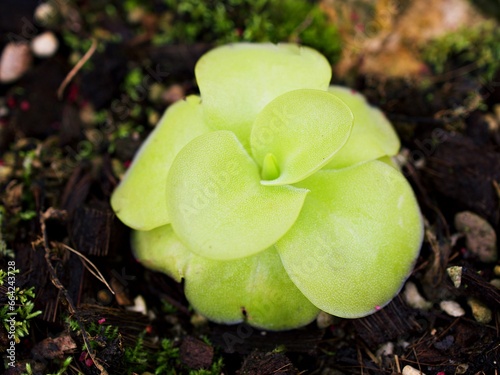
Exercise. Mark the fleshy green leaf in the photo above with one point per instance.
(236, 81)
(217, 205)
(372, 135)
(355, 240)
(256, 289)
(222, 290)
(139, 201)
(160, 250)
(302, 130)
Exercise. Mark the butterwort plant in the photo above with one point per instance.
(272, 194)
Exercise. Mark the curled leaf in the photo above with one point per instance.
(302, 130)
(217, 205)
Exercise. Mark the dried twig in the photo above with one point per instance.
(91, 267)
(77, 68)
(51, 214)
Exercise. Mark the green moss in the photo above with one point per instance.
(225, 21)
(478, 45)
(22, 312)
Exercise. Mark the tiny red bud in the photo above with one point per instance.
(25, 105)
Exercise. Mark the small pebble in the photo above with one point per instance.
(173, 94)
(4, 110)
(45, 45)
(45, 14)
(452, 308)
(386, 349)
(445, 344)
(324, 320)
(408, 370)
(139, 305)
(461, 369)
(481, 313)
(496, 270)
(104, 296)
(495, 283)
(492, 122)
(198, 320)
(414, 299)
(480, 237)
(15, 61)
(455, 274)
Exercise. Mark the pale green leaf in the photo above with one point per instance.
(160, 250)
(302, 130)
(372, 135)
(356, 239)
(139, 201)
(217, 205)
(254, 289)
(236, 81)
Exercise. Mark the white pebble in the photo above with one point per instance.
(324, 320)
(414, 299)
(386, 349)
(139, 305)
(45, 14)
(408, 370)
(14, 62)
(455, 274)
(45, 45)
(452, 308)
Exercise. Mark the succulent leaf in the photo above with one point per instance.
(139, 200)
(217, 205)
(355, 240)
(372, 135)
(303, 130)
(255, 289)
(236, 81)
(159, 249)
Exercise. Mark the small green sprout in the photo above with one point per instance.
(271, 194)
(17, 321)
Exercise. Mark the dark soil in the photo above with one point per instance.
(60, 201)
